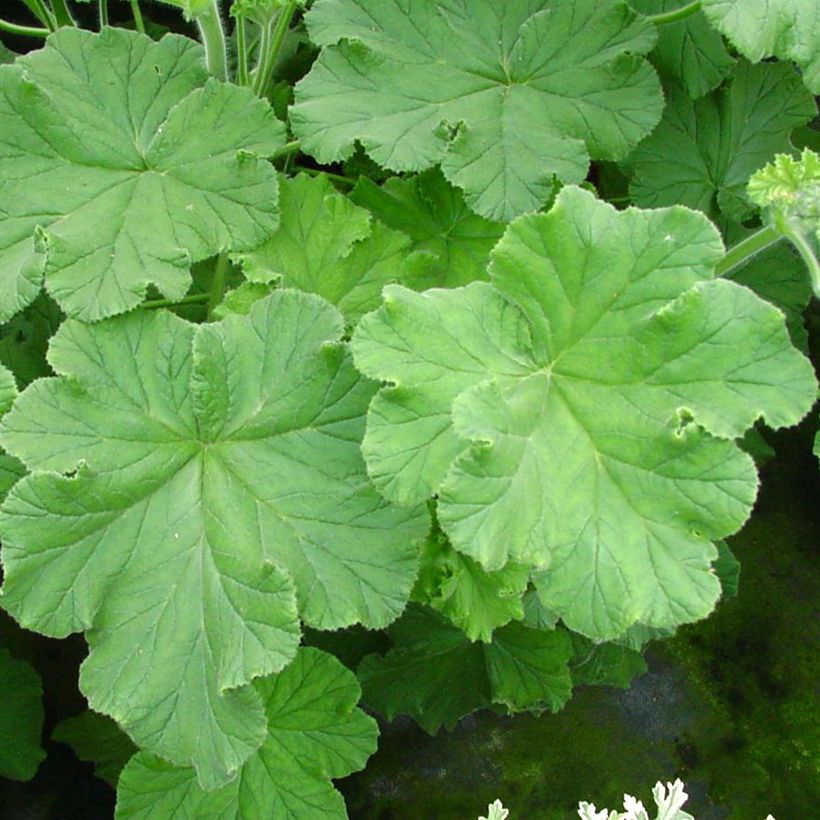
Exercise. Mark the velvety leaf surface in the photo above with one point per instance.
(578, 413)
(21, 718)
(789, 29)
(97, 739)
(475, 600)
(314, 733)
(456, 241)
(436, 675)
(219, 470)
(689, 52)
(170, 172)
(502, 95)
(704, 151)
(327, 245)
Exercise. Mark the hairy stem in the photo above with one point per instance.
(103, 13)
(42, 13)
(193, 299)
(61, 13)
(212, 35)
(805, 250)
(287, 150)
(139, 23)
(243, 76)
(740, 254)
(272, 38)
(673, 16)
(218, 282)
(25, 31)
(337, 178)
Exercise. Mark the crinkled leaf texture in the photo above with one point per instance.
(314, 733)
(704, 151)
(21, 718)
(789, 29)
(219, 482)
(577, 413)
(502, 95)
(437, 675)
(327, 245)
(122, 164)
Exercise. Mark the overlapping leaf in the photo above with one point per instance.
(314, 733)
(327, 245)
(689, 51)
(219, 468)
(21, 718)
(437, 675)
(577, 413)
(704, 151)
(789, 29)
(456, 242)
(122, 164)
(502, 95)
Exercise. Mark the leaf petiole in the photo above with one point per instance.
(61, 13)
(243, 76)
(192, 299)
(139, 23)
(273, 35)
(42, 13)
(103, 5)
(218, 282)
(209, 23)
(740, 254)
(677, 14)
(24, 31)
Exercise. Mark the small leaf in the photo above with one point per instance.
(21, 718)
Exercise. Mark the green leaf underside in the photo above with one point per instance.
(689, 51)
(559, 434)
(24, 339)
(21, 718)
(502, 95)
(475, 600)
(314, 733)
(456, 242)
(605, 664)
(170, 173)
(327, 245)
(97, 739)
(220, 468)
(437, 675)
(789, 29)
(704, 151)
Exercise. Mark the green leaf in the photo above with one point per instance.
(604, 664)
(772, 28)
(97, 739)
(456, 242)
(314, 733)
(689, 51)
(170, 173)
(474, 600)
(704, 151)
(219, 469)
(590, 431)
(6, 55)
(21, 718)
(437, 675)
(327, 245)
(24, 339)
(502, 95)
(727, 569)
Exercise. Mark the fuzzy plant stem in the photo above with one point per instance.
(218, 282)
(243, 76)
(805, 250)
(272, 38)
(192, 299)
(677, 14)
(24, 31)
(103, 6)
(42, 13)
(61, 13)
(139, 23)
(740, 254)
(212, 35)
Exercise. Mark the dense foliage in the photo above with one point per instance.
(383, 354)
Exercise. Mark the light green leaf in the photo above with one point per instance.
(456, 242)
(6, 56)
(789, 29)
(436, 675)
(314, 733)
(590, 432)
(219, 469)
(474, 600)
(327, 245)
(170, 173)
(97, 739)
(21, 718)
(689, 51)
(704, 151)
(503, 95)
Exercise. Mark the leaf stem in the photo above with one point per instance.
(740, 254)
(286, 150)
(42, 13)
(192, 299)
(677, 14)
(209, 23)
(103, 5)
(337, 178)
(139, 23)
(273, 36)
(218, 282)
(61, 13)
(805, 250)
(24, 31)
(243, 76)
